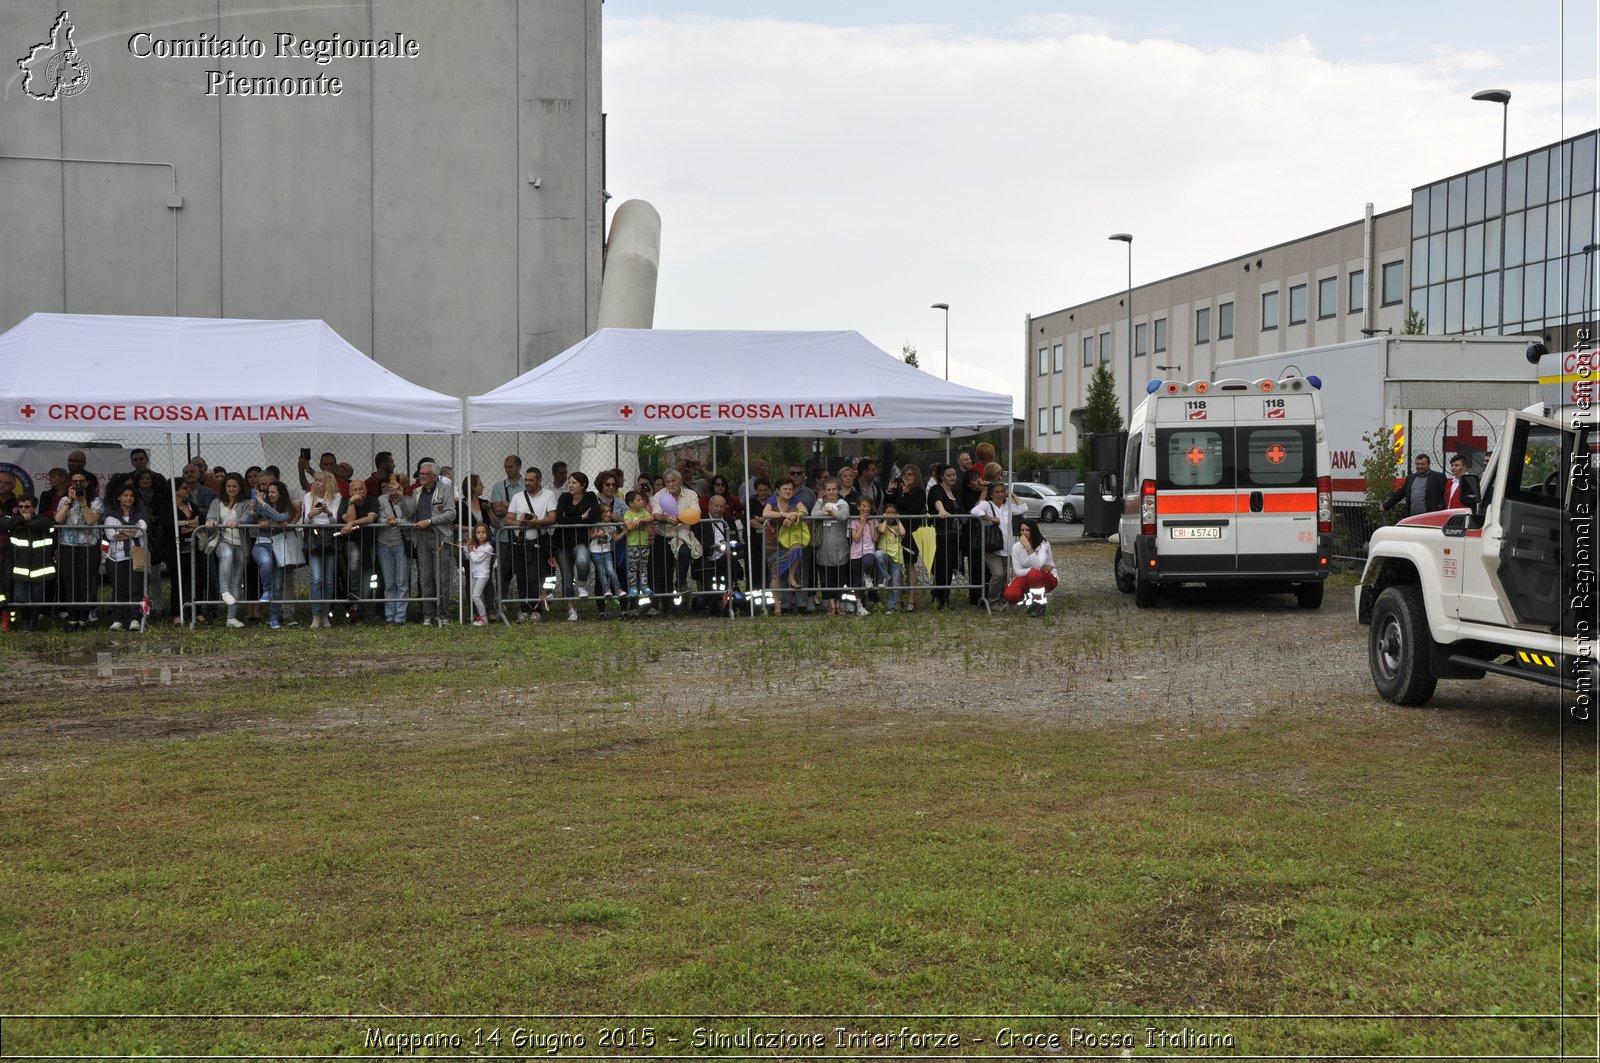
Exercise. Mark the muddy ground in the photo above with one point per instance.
(1202, 659)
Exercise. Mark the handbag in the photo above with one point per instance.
(205, 540)
(993, 541)
(139, 556)
(796, 534)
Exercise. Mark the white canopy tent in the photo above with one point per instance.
(88, 373)
(664, 381)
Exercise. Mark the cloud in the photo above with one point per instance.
(814, 176)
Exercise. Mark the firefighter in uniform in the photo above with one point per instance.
(29, 561)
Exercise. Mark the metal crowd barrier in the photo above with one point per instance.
(536, 567)
(353, 578)
(48, 578)
(806, 584)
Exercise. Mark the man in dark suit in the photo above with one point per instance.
(1422, 492)
(1462, 490)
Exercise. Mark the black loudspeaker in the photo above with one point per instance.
(1099, 514)
(1106, 450)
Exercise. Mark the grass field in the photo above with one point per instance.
(386, 823)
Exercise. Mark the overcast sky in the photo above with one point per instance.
(844, 165)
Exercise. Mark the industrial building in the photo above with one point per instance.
(1440, 256)
(428, 178)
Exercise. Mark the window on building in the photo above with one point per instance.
(1058, 423)
(1044, 420)
(1058, 359)
(1225, 321)
(1202, 326)
(1105, 346)
(1160, 335)
(1358, 290)
(1327, 297)
(1138, 340)
(1088, 351)
(1044, 360)
(1394, 283)
(1298, 309)
(1269, 311)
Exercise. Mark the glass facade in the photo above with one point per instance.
(1457, 237)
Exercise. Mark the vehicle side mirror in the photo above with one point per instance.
(1108, 485)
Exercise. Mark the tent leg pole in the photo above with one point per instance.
(750, 579)
(177, 538)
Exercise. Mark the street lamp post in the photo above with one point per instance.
(1127, 238)
(1502, 97)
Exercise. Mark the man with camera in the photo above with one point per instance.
(78, 556)
(530, 513)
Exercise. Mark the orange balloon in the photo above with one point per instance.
(690, 515)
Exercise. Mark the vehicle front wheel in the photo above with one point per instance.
(1124, 578)
(1072, 514)
(1399, 645)
(1049, 515)
(1309, 595)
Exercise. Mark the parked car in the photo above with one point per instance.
(1073, 510)
(1048, 504)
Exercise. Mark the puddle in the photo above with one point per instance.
(101, 658)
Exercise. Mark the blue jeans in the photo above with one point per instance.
(230, 573)
(396, 569)
(574, 557)
(605, 572)
(271, 574)
(324, 563)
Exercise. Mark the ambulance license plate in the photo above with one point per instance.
(1197, 533)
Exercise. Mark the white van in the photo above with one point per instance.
(1226, 481)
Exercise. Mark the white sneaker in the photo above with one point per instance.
(116, 625)
(572, 615)
(233, 622)
(229, 599)
(479, 621)
(583, 592)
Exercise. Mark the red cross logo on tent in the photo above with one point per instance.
(1196, 455)
(27, 410)
(1276, 454)
(626, 411)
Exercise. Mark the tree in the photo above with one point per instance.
(1381, 468)
(908, 354)
(651, 453)
(1101, 410)
(1416, 324)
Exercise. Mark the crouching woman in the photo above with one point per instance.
(1035, 569)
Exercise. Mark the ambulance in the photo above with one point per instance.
(1226, 481)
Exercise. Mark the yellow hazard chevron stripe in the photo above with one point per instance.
(1535, 659)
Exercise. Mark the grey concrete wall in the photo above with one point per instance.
(400, 211)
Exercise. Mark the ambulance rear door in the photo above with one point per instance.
(1195, 526)
(1275, 474)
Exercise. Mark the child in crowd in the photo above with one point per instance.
(863, 552)
(833, 544)
(891, 555)
(636, 528)
(480, 555)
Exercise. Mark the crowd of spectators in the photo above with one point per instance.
(256, 547)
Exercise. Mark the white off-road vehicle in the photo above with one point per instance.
(1506, 586)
